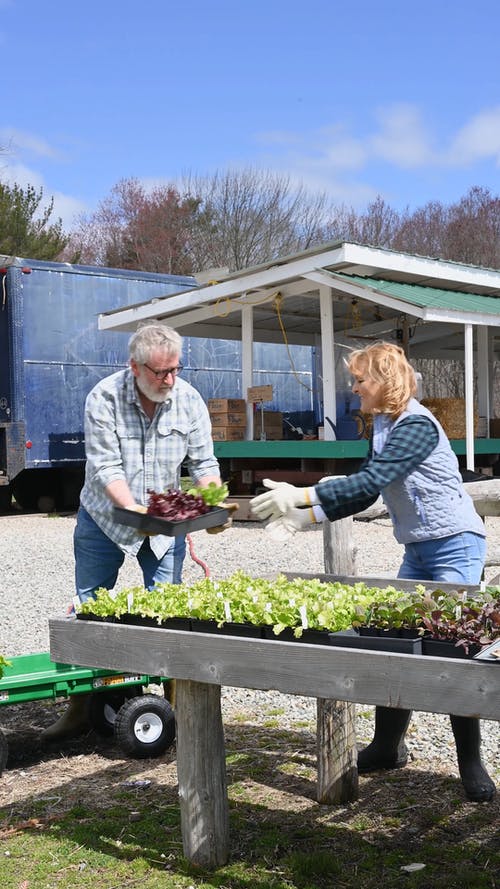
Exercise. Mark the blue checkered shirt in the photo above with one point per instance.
(121, 442)
(409, 444)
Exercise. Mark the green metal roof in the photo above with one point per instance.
(431, 297)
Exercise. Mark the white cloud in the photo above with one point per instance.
(478, 139)
(352, 167)
(403, 139)
(16, 145)
(326, 148)
(16, 142)
(22, 175)
(66, 206)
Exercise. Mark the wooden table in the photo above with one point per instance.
(202, 663)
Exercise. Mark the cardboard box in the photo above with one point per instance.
(227, 419)
(272, 434)
(272, 426)
(271, 418)
(221, 405)
(228, 433)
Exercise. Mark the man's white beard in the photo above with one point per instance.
(159, 396)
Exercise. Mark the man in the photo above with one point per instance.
(140, 425)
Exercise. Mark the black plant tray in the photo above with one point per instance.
(101, 618)
(150, 524)
(226, 629)
(312, 637)
(444, 648)
(399, 644)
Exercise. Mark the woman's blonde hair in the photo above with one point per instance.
(386, 364)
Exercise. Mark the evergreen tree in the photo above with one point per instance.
(25, 230)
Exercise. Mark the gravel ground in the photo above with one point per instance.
(37, 582)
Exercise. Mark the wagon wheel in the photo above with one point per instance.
(145, 726)
(4, 751)
(104, 707)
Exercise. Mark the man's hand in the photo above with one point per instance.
(231, 507)
(139, 507)
(279, 499)
(287, 525)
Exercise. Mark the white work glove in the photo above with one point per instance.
(280, 499)
(287, 525)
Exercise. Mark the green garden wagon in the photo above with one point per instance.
(143, 724)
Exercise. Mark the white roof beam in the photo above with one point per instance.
(425, 267)
(274, 277)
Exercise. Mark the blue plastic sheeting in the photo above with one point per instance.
(214, 368)
(54, 354)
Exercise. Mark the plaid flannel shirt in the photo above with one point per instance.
(122, 443)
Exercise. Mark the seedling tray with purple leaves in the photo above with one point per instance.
(151, 524)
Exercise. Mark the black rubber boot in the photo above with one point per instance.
(73, 722)
(478, 786)
(388, 749)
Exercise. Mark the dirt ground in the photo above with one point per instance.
(274, 768)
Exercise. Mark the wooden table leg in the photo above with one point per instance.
(337, 774)
(201, 771)
(336, 729)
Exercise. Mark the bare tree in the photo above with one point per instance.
(377, 226)
(473, 231)
(248, 217)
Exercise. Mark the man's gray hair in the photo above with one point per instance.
(151, 336)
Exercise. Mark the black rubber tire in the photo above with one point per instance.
(145, 726)
(4, 751)
(105, 705)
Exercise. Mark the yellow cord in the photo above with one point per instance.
(278, 299)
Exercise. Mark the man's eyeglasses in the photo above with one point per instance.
(161, 374)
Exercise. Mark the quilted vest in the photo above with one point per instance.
(431, 502)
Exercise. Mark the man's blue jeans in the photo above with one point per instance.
(456, 559)
(98, 560)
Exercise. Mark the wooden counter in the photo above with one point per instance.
(202, 663)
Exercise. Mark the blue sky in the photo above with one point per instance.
(356, 98)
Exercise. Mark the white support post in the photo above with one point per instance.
(247, 362)
(328, 359)
(484, 380)
(469, 396)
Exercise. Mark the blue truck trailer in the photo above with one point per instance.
(51, 354)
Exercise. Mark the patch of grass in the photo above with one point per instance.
(275, 711)
(91, 831)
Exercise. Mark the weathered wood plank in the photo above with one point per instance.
(336, 750)
(339, 552)
(201, 772)
(440, 685)
(337, 774)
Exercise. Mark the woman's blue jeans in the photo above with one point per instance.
(456, 559)
(98, 560)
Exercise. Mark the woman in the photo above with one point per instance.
(411, 464)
